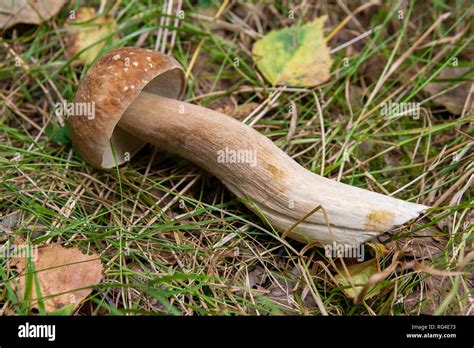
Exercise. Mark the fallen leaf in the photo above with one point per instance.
(89, 33)
(359, 274)
(9, 222)
(379, 249)
(243, 111)
(432, 290)
(282, 289)
(296, 56)
(240, 112)
(60, 135)
(427, 243)
(455, 99)
(256, 277)
(27, 11)
(65, 276)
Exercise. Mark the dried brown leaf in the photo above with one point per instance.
(27, 11)
(65, 275)
(454, 99)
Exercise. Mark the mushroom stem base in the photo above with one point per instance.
(270, 182)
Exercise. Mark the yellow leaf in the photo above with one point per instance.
(379, 248)
(89, 33)
(296, 56)
(358, 276)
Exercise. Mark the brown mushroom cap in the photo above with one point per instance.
(110, 86)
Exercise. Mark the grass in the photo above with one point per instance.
(172, 239)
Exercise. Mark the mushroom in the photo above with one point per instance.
(136, 93)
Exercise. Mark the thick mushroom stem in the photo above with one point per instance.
(254, 168)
